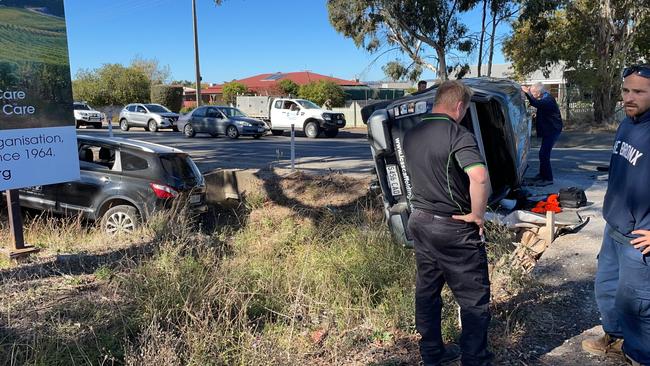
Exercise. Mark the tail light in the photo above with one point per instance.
(163, 191)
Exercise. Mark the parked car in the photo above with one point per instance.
(85, 115)
(122, 183)
(150, 116)
(303, 114)
(220, 120)
(498, 118)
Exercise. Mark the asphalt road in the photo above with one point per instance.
(349, 152)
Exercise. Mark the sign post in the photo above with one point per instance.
(38, 139)
(109, 116)
(293, 148)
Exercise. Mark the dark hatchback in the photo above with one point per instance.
(220, 120)
(122, 183)
(497, 117)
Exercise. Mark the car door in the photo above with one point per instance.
(198, 119)
(97, 178)
(279, 114)
(140, 115)
(218, 120)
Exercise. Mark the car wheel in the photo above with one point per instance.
(277, 132)
(188, 131)
(232, 132)
(153, 126)
(122, 219)
(77, 124)
(312, 130)
(332, 133)
(214, 134)
(124, 125)
(97, 125)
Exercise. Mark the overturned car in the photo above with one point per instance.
(498, 118)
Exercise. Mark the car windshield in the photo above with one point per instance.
(81, 107)
(232, 112)
(180, 167)
(157, 108)
(307, 104)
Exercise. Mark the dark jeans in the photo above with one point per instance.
(623, 294)
(450, 251)
(545, 171)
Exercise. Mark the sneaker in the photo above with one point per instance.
(452, 354)
(603, 346)
(631, 361)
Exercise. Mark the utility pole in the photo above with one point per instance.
(196, 56)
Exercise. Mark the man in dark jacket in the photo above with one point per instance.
(623, 276)
(549, 127)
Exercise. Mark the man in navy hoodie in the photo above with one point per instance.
(623, 277)
(549, 127)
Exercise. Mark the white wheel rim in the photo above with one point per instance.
(118, 223)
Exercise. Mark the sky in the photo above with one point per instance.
(238, 39)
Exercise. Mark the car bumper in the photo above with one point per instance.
(252, 131)
(334, 124)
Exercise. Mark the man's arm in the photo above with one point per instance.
(479, 191)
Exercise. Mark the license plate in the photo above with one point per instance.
(393, 180)
(195, 199)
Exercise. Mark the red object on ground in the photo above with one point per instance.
(551, 204)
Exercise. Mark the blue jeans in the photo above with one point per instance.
(545, 171)
(623, 294)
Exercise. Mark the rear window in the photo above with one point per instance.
(132, 162)
(180, 167)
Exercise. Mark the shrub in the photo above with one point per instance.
(167, 95)
(320, 91)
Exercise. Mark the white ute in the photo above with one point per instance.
(86, 115)
(303, 114)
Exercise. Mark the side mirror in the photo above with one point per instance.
(378, 133)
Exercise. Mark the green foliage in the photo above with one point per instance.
(322, 90)
(288, 87)
(394, 70)
(169, 96)
(8, 74)
(112, 84)
(592, 40)
(419, 29)
(232, 90)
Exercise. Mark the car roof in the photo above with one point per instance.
(135, 144)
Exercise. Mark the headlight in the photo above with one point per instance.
(243, 124)
(327, 117)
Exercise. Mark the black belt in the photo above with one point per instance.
(436, 217)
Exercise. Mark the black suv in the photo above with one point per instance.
(497, 117)
(123, 182)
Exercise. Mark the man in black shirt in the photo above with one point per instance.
(450, 191)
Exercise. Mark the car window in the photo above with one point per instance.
(290, 105)
(140, 109)
(199, 112)
(157, 108)
(81, 107)
(278, 104)
(180, 167)
(130, 108)
(103, 156)
(131, 162)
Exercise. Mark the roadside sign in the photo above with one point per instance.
(38, 143)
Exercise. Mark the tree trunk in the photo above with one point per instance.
(480, 45)
(442, 64)
(492, 37)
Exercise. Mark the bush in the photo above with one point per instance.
(167, 95)
(320, 91)
(232, 90)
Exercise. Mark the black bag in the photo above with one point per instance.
(572, 197)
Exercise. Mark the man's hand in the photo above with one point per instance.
(643, 241)
(472, 218)
(525, 89)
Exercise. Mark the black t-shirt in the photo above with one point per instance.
(437, 152)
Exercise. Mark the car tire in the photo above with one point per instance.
(312, 130)
(331, 133)
(232, 132)
(122, 219)
(152, 126)
(277, 132)
(214, 134)
(124, 124)
(77, 124)
(188, 130)
(97, 125)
